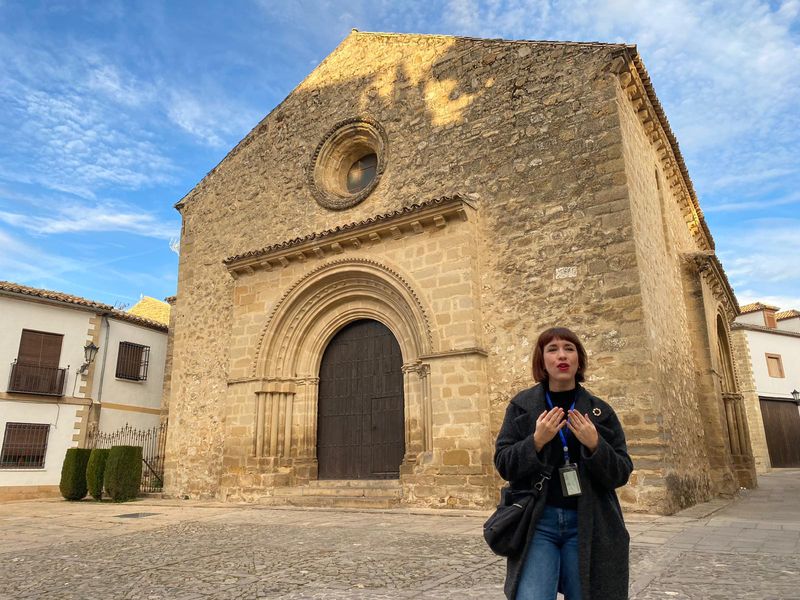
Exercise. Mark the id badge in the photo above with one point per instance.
(570, 484)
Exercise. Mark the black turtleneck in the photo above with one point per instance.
(554, 494)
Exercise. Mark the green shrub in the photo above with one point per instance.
(123, 472)
(73, 473)
(95, 470)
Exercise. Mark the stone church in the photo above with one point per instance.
(363, 277)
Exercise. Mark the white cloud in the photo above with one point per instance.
(119, 86)
(752, 204)
(67, 129)
(21, 262)
(27, 264)
(73, 217)
(761, 260)
(213, 122)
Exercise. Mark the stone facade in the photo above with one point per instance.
(519, 185)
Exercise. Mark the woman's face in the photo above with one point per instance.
(561, 364)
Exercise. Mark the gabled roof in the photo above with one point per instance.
(756, 306)
(151, 308)
(15, 289)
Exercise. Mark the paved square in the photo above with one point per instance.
(745, 549)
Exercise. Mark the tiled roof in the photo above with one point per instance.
(787, 314)
(24, 290)
(16, 288)
(756, 306)
(150, 308)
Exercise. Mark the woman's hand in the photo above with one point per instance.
(583, 429)
(547, 426)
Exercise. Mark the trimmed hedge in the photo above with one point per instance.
(73, 473)
(123, 472)
(95, 471)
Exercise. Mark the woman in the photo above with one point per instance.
(577, 543)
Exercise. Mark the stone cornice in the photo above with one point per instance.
(707, 262)
(635, 81)
(409, 220)
(456, 352)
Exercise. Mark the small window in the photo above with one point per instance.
(770, 321)
(132, 361)
(24, 446)
(775, 365)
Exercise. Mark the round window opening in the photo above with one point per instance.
(348, 163)
(362, 172)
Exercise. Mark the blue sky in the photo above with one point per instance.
(111, 111)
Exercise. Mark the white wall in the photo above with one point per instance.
(131, 394)
(61, 418)
(792, 324)
(762, 343)
(73, 324)
(752, 318)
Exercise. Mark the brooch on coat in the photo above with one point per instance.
(596, 412)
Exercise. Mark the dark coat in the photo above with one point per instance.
(603, 540)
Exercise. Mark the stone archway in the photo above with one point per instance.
(291, 348)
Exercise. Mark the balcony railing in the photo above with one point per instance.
(35, 379)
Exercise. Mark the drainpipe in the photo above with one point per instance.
(105, 354)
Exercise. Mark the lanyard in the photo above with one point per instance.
(561, 431)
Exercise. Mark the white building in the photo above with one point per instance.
(773, 339)
(50, 395)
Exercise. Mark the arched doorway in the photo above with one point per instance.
(360, 428)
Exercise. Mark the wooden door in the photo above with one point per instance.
(360, 429)
(782, 428)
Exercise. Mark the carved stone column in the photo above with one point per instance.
(418, 411)
(273, 430)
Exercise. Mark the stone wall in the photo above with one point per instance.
(562, 188)
(673, 470)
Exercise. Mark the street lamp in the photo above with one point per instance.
(89, 352)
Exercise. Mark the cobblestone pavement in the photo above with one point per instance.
(747, 549)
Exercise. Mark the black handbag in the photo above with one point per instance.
(506, 531)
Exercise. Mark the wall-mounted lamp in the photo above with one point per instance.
(796, 395)
(89, 352)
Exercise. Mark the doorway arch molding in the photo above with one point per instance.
(327, 298)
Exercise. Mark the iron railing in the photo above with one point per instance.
(152, 441)
(34, 379)
(24, 446)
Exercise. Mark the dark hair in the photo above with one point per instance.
(547, 336)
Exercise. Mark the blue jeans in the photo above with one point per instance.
(552, 561)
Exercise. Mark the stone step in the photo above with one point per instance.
(355, 492)
(341, 501)
(355, 483)
(152, 495)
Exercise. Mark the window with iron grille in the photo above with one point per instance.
(24, 446)
(132, 361)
